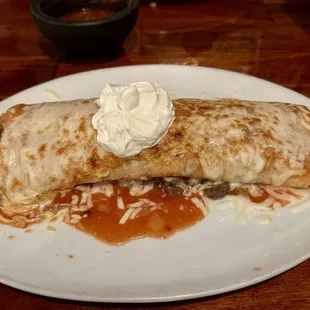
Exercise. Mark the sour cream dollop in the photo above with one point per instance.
(132, 118)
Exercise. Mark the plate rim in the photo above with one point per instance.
(154, 66)
(138, 300)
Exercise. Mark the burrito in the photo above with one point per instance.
(50, 147)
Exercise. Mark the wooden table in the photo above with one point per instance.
(269, 39)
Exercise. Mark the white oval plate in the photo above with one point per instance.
(219, 254)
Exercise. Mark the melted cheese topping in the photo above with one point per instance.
(36, 147)
(240, 139)
(52, 146)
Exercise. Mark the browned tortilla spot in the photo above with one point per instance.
(16, 183)
(178, 135)
(64, 149)
(82, 126)
(94, 160)
(31, 156)
(42, 150)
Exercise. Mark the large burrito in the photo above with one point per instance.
(49, 147)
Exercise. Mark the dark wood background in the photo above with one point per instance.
(269, 39)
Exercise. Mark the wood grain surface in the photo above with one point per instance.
(269, 39)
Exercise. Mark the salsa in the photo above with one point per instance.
(86, 14)
(171, 214)
(117, 212)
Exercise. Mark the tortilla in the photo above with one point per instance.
(50, 147)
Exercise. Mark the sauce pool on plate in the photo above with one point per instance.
(168, 215)
(117, 212)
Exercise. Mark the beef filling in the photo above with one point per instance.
(217, 191)
(172, 188)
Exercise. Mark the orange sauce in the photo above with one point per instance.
(264, 195)
(86, 15)
(173, 213)
(245, 192)
(20, 219)
(166, 216)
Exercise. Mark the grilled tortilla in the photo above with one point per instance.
(50, 147)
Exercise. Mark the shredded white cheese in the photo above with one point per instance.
(51, 94)
(135, 204)
(200, 205)
(196, 188)
(84, 198)
(126, 216)
(138, 188)
(276, 204)
(96, 188)
(148, 202)
(135, 213)
(120, 203)
(74, 200)
(142, 202)
(4, 220)
(107, 189)
(281, 196)
(264, 205)
(89, 202)
(255, 191)
(188, 192)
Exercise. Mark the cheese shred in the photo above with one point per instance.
(200, 205)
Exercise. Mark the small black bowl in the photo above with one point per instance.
(100, 36)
